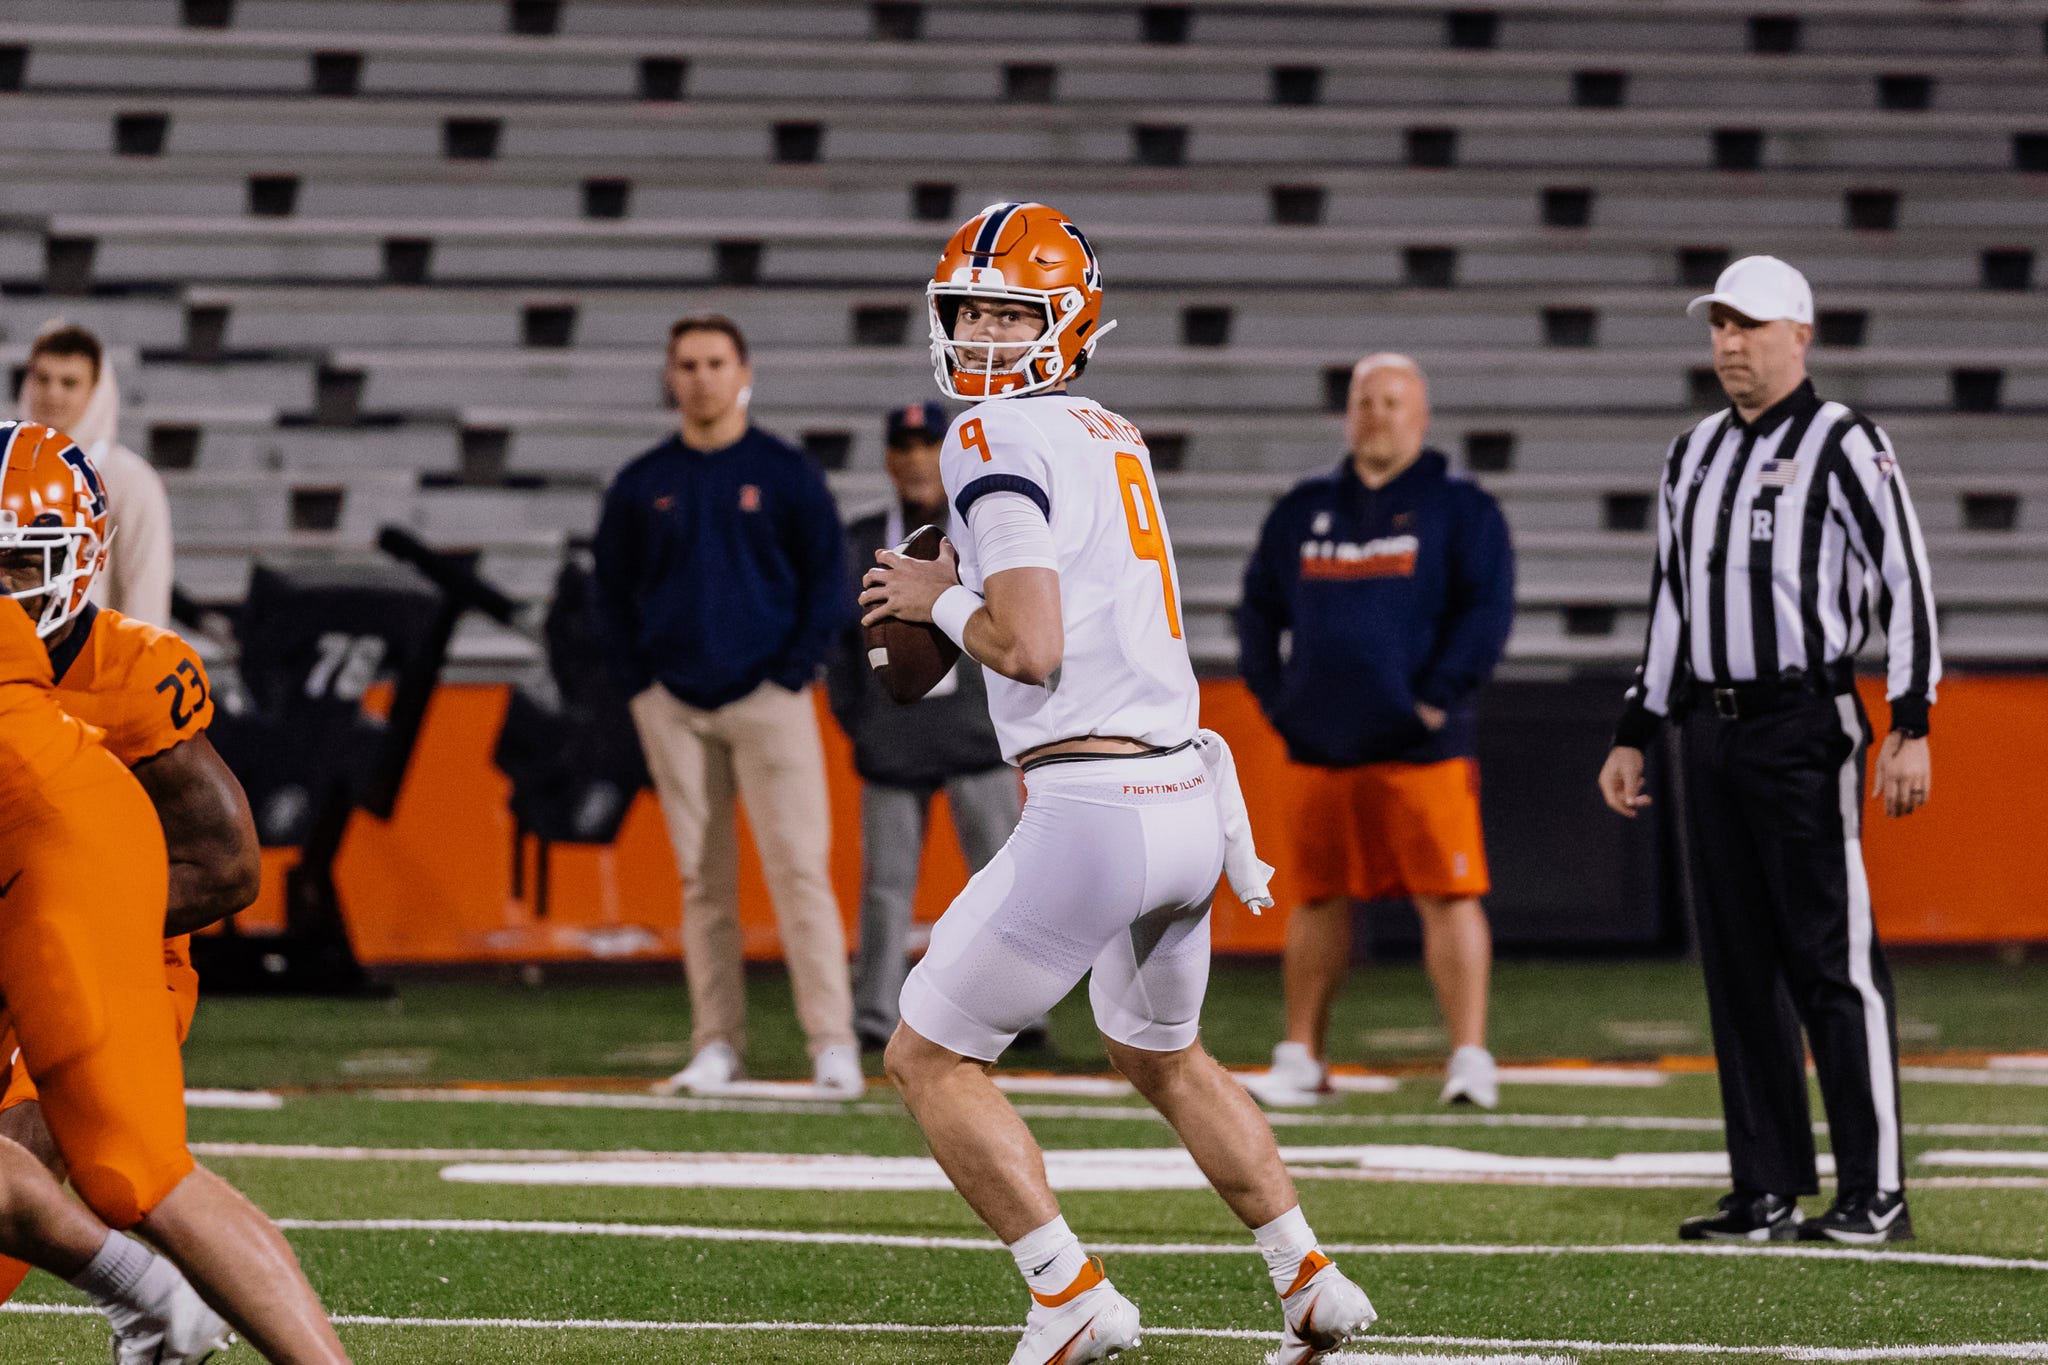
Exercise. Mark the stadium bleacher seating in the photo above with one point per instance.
(369, 261)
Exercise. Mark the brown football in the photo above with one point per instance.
(911, 657)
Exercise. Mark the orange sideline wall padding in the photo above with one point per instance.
(434, 884)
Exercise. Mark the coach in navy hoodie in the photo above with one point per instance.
(721, 587)
(1393, 583)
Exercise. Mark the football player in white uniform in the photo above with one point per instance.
(1063, 586)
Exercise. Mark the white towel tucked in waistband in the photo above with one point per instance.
(1248, 876)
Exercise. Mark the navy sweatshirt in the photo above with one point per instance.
(1392, 596)
(718, 570)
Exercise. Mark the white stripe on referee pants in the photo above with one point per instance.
(1884, 1097)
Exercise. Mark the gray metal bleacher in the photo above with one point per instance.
(411, 260)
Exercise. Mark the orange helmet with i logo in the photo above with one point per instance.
(1020, 253)
(52, 504)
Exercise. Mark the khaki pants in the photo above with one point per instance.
(765, 749)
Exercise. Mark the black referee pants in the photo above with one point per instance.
(1774, 801)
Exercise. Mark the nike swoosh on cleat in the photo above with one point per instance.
(1060, 1356)
(1879, 1223)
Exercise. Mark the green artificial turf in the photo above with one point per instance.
(336, 1061)
(503, 1030)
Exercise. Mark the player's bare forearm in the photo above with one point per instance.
(1018, 632)
(216, 864)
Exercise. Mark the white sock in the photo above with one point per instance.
(115, 1273)
(1284, 1242)
(1049, 1258)
(130, 1283)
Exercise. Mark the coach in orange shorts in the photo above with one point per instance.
(1394, 583)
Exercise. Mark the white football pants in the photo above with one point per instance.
(1110, 872)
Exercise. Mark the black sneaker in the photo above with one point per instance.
(1745, 1217)
(1862, 1220)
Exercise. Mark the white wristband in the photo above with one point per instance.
(951, 612)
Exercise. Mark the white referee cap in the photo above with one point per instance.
(1759, 287)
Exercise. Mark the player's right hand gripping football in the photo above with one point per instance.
(905, 588)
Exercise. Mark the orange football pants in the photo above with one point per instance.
(82, 975)
(183, 984)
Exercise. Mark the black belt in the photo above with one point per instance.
(1050, 759)
(1733, 701)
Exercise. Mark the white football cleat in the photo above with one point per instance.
(1472, 1078)
(1295, 1079)
(714, 1066)
(1323, 1311)
(1088, 1321)
(836, 1073)
(184, 1331)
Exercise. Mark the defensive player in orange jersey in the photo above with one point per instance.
(85, 873)
(146, 689)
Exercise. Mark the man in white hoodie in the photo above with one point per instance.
(70, 386)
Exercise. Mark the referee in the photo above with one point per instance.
(1785, 537)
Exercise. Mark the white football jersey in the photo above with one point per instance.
(1125, 671)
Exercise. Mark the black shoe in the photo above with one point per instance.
(1745, 1217)
(1862, 1220)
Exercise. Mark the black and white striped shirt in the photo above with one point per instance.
(1782, 544)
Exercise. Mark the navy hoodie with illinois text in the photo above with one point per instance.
(1387, 597)
(719, 570)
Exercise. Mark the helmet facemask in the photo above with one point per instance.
(69, 555)
(969, 369)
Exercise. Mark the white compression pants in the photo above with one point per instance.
(1110, 872)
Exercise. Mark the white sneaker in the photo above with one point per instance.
(837, 1072)
(715, 1065)
(1088, 1321)
(1323, 1311)
(183, 1332)
(1473, 1078)
(1295, 1079)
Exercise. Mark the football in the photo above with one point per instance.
(910, 657)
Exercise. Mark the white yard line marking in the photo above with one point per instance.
(582, 1099)
(1304, 1157)
(1625, 1123)
(1148, 1168)
(2024, 1061)
(800, 1092)
(232, 1099)
(1955, 1075)
(672, 1232)
(2012, 1350)
(2025, 1160)
(1155, 1168)
(1976, 1130)
(1095, 1087)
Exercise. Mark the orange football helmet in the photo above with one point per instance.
(52, 501)
(1027, 253)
